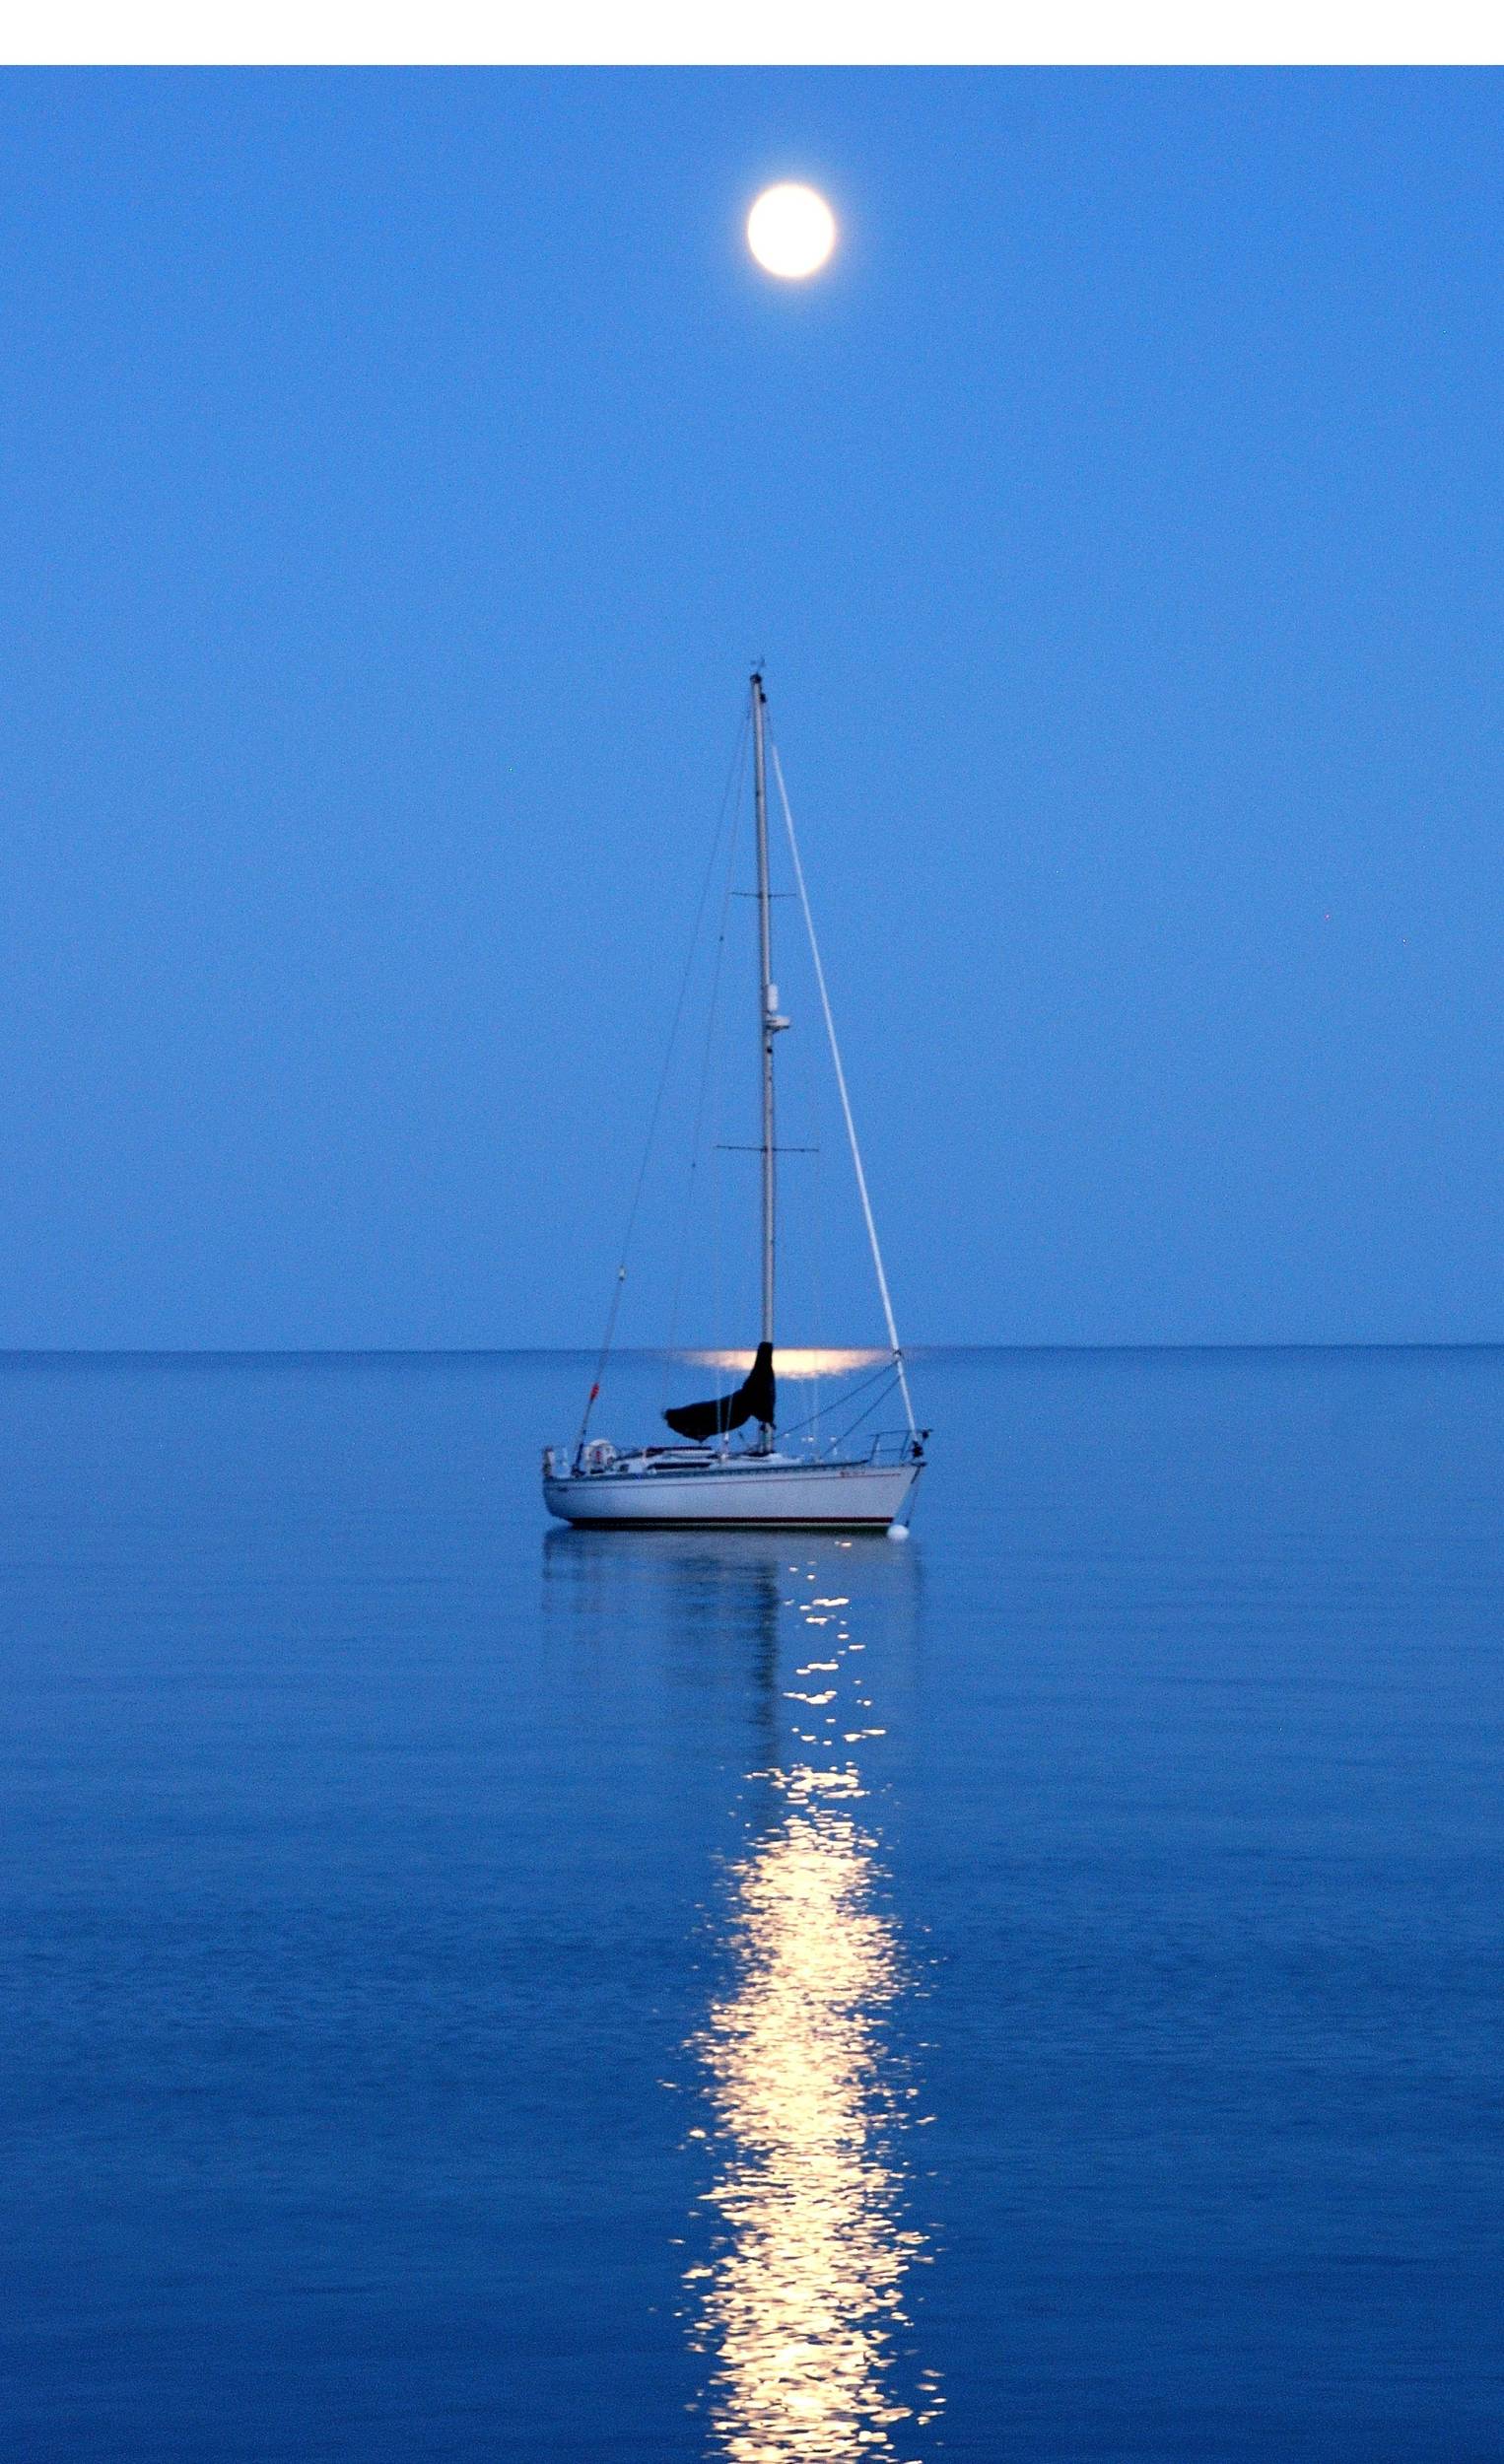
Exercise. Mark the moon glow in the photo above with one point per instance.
(790, 231)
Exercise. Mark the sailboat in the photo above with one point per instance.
(704, 1480)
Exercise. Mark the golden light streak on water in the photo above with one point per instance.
(801, 2307)
(795, 1360)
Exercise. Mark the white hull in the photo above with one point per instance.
(856, 1497)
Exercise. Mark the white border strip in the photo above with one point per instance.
(783, 34)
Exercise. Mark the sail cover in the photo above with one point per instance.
(752, 1400)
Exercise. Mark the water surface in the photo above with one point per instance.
(475, 1987)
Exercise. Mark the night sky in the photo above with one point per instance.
(400, 472)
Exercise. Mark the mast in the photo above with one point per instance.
(769, 1021)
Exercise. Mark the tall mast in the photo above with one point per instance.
(769, 1021)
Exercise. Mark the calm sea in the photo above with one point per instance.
(475, 1990)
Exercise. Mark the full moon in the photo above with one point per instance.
(790, 231)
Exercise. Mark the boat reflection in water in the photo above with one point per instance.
(799, 2305)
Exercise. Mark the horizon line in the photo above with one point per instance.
(696, 1353)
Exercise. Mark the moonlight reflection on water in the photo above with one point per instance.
(800, 2305)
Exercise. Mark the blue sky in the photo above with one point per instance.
(399, 472)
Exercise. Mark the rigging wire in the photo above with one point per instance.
(733, 774)
(803, 1075)
(707, 1059)
(845, 1101)
(813, 1083)
(717, 1253)
(852, 1426)
(878, 1374)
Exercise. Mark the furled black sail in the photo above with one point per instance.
(752, 1400)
